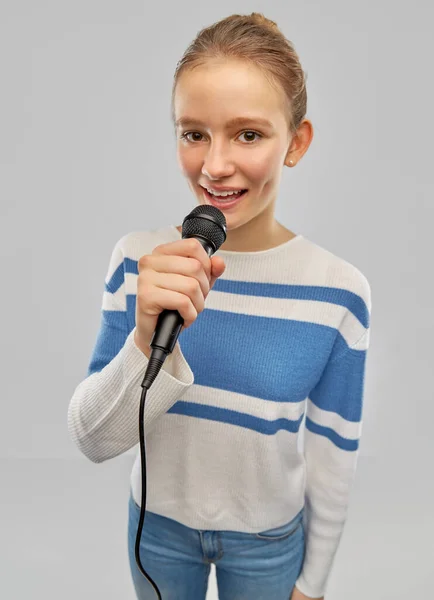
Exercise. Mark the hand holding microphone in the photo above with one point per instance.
(176, 276)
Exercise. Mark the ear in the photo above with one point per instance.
(300, 143)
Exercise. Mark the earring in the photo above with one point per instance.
(291, 163)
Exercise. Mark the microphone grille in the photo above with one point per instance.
(198, 223)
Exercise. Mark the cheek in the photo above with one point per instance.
(264, 161)
(260, 167)
(187, 162)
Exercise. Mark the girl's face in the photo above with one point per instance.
(213, 152)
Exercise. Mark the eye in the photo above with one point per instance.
(254, 133)
(185, 135)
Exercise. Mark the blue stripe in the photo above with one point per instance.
(339, 441)
(287, 361)
(111, 337)
(233, 417)
(269, 358)
(118, 278)
(340, 388)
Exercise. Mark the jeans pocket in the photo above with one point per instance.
(283, 531)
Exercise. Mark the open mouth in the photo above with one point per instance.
(224, 201)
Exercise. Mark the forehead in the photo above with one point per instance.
(224, 89)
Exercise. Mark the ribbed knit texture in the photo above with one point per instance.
(280, 346)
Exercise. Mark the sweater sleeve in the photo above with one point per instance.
(103, 413)
(331, 446)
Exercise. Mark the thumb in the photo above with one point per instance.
(217, 268)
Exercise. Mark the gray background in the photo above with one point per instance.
(87, 154)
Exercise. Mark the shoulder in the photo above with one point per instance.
(336, 272)
(135, 244)
(128, 249)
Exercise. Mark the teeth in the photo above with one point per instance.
(224, 194)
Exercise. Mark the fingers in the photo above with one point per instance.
(188, 247)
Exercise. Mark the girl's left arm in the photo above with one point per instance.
(332, 434)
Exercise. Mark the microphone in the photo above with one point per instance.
(207, 224)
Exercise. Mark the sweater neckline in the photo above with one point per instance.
(272, 250)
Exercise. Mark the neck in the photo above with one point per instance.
(255, 239)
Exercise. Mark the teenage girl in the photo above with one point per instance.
(280, 349)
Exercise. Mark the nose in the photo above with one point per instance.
(217, 163)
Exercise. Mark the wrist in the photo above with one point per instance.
(142, 346)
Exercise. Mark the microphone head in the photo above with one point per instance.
(207, 222)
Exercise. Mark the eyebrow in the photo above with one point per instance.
(187, 121)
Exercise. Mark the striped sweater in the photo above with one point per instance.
(257, 412)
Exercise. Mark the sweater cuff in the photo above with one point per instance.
(312, 591)
(175, 365)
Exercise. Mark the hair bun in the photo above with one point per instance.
(262, 20)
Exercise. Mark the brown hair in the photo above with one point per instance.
(255, 39)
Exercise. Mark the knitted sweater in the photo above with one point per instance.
(280, 347)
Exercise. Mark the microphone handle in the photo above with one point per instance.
(170, 322)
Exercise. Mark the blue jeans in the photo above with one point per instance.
(257, 566)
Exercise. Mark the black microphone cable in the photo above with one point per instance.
(154, 365)
(208, 225)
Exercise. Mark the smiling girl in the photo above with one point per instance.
(279, 349)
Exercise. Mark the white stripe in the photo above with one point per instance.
(326, 418)
(114, 301)
(131, 283)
